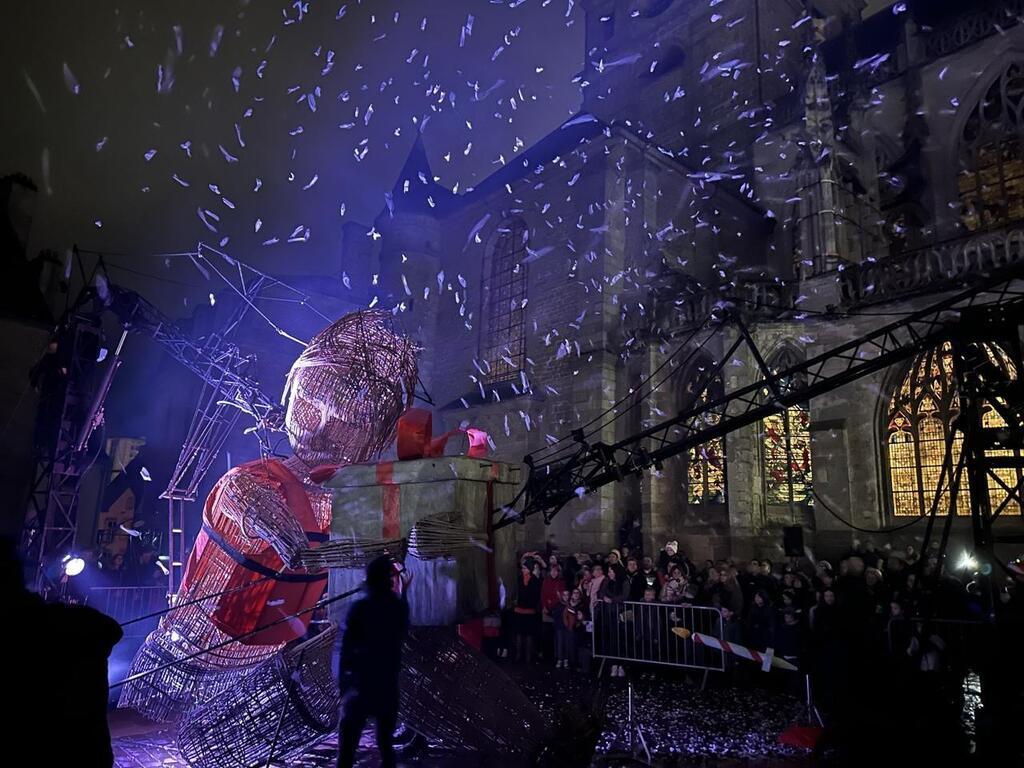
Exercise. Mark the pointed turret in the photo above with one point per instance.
(415, 190)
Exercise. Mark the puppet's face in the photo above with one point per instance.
(347, 390)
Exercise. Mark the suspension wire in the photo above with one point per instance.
(693, 353)
(857, 528)
(624, 398)
(187, 603)
(947, 462)
(322, 603)
(277, 329)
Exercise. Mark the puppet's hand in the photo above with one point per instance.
(262, 514)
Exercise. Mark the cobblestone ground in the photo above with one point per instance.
(682, 725)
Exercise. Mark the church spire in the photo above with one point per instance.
(415, 190)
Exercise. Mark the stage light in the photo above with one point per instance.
(73, 565)
(144, 474)
(967, 562)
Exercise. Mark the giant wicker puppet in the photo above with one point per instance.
(344, 395)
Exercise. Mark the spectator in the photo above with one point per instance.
(147, 572)
(667, 554)
(580, 617)
(759, 627)
(564, 619)
(551, 589)
(594, 586)
(614, 563)
(748, 580)
(649, 578)
(647, 628)
(527, 612)
(115, 572)
(789, 637)
(726, 592)
(632, 580)
(672, 590)
(58, 681)
(766, 580)
(606, 617)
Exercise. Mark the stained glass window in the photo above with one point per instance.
(920, 416)
(706, 462)
(787, 456)
(505, 350)
(786, 447)
(991, 178)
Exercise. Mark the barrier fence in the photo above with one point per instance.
(642, 632)
(126, 603)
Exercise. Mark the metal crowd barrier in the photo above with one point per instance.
(642, 632)
(126, 603)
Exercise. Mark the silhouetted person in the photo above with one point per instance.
(371, 659)
(57, 689)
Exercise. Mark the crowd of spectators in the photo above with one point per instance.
(874, 616)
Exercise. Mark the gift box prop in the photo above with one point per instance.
(435, 506)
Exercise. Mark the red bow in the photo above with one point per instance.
(415, 428)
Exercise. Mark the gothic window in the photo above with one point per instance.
(991, 178)
(920, 416)
(505, 350)
(706, 462)
(786, 447)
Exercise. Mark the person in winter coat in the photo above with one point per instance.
(606, 615)
(597, 578)
(727, 592)
(565, 619)
(551, 589)
(527, 612)
(760, 623)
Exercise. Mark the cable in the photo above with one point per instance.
(319, 604)
(623, 399)
(857, 528)
(187, 603)
(693, 353)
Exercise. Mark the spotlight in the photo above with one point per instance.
(73, 565)
(967, 562)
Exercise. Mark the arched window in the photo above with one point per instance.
(786, 446)
(920, 415)
(505, 348)
(706, 462)
(991, 178)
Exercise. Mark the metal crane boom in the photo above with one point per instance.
(585, 466)
(211, 362)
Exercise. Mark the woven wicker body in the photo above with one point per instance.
(286, 705)
(459, 699)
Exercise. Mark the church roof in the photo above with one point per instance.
(577, 130)
(416, 191)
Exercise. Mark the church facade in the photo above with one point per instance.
(818, 173)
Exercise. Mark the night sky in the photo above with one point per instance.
(151, 125)
(147, 125)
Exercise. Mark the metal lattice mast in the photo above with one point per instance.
(53, 504)
(583, 467)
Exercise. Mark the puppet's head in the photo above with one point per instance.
(347, 389)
